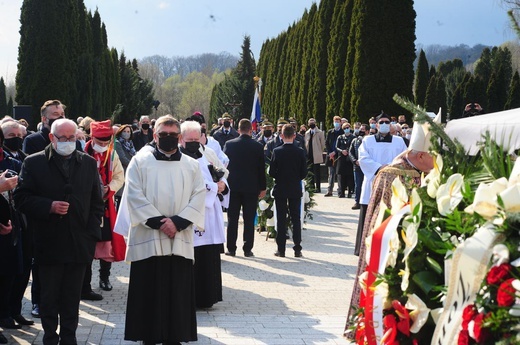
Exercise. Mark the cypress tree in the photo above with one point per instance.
(457, 104)
(513, 98)
(10, 105)
(338, 48)
(475, 91)
(245, 72)
(493, 101)
(422, 77)
(503, 71)
(3, 98)
(85, 64)
(430, 102)
(308, 47)
(297, 51)
(441, 98)
(346, 92)
(483, 66)
(320, 60)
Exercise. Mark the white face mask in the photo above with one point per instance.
(384, 128)
(125, 135)
(82, 142)
(408, 136)
(99, 149)
(66, 148)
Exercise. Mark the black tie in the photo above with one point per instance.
(227, 132)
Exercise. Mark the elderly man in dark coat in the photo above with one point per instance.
(60, 194)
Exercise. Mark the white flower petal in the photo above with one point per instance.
(419, 312)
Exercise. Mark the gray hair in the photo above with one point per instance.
(190, 126)
(60, 122)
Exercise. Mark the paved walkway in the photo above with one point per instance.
(267, 300)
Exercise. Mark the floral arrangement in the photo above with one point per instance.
(461, 196)
(265, 209)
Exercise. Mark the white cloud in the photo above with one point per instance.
(163, 5)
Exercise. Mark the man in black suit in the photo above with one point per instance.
(60, 194)
(288, 168)
(144, 134)
(226, 132)
(247, 183)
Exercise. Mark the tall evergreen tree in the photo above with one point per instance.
(422, 77)
(513, 99)
(337, 50)
(456, 107)
(431, 102)
(3, 98)
(244, 73)
(10, 105)
(320, 60)
(308, 47)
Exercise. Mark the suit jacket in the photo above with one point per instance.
(61, 239)
(246, 165)
(288, 168)
(222, 137)
(140, 139)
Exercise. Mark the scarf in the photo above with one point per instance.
(127, 145)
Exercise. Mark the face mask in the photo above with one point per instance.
(135, 126)
(145, 126)
(268, 133)
(66, 148)
(362, 133)
(99, 148)
(192, 146)
(347, 131)
(312, 125)
(168, 144)
(401, 122)
(125, 135)
(203, 131)
(356, 131)
(373, 125)
(83, 143)
(227, 124)
(51, 121)
(393, 122)
(13, 144)
(384, 128)
(302, 132)
(336, 125)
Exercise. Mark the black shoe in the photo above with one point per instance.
(22, 320)
(104, 284)
(341, 196)
(298, 254)
(229, 253)
(249, 254)
(328, 194)
(356, 206)
(279, 254)
(36, 310)
(8, 323)
(3, 339)
(91, 296)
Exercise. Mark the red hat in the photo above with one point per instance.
(101, 130)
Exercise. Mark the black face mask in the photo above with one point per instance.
(227, 124)
(192, 146)
(312, 125)
(203, 131)
(362, 133)
(51, 121)
(13, 144)
(268, 133)
(145, 126)
(168, 143)
(302, 132)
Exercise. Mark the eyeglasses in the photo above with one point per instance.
(404, 127)
(167, 134)
(65, 139)
(386, 122)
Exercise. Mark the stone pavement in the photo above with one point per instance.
(267, 300)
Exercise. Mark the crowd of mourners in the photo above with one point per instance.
(154, 193)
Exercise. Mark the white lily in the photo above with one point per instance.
(263, 205)
(399, 195)
(511, 198)
(449, 195)
(485, 201)
(270, 222)
(382, 290)
(411, 224)
(405, 276)
(419, 312)
(514, 178)
(432, 180)
(393, 245)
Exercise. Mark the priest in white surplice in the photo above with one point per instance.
(209, 242)
(375, 152)
(165, 199)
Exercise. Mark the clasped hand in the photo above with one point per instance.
(168, 227)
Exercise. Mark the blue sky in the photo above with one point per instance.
(186, 27)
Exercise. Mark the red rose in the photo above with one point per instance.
(463, 338)
(506, 293)
(481, 334)
(498, 274)
(468, 314)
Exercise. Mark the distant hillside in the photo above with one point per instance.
(436, 53)
(182, 65)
